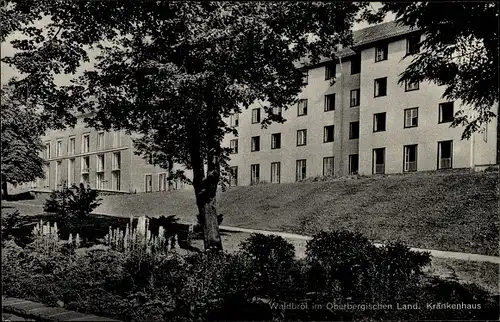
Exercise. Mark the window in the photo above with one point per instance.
(100, 141)
(233, 144)
(100, 163)
(116, 164)
(353, 163)
(301, 170)
(99, 180)
(413, 45)
(85, 164)
(255, 173)
(275, 172)
(305, 77)
(381, 53)
(330, 71)
(276, 141)
(116, 180)
(58, 175)
(47, 175)
(278, 111)
(233, 181)
(116, 139)
(255, 115)
(46, 154)
(354, 130)
(85, 143)
(381, 87)
(446, 112)
(328, 169)
(148, 184)
(328, 133)
(411, 117)
(356, 64)
(234, 120)
(302, 107)
(329, 102)
(255, 143)
(379, 122)
(71, 146)
(445, 155)
(379, 161)
(301, 137)
(71, 172)
(410, 158)
(162, 181)
(59, 144)
(411, 86)
(354, 97)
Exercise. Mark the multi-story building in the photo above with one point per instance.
(103, 160)
(354, 117)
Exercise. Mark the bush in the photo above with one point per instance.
(77, 201)
(277, 276)
(141, 286)
(15, 228)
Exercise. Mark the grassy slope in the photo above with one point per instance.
(454, 211)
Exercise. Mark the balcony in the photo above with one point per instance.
(445, 163)
(379, 168)
(85, 170)
(411, 166)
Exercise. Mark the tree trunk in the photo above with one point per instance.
(5, 191)
(170, 167)
(205, 189)
(211, 233)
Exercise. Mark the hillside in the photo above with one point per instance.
(454, 210)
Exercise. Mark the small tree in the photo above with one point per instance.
(76, 201)
(21, 144)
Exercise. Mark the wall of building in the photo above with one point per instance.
(428, 132)
(315, 121)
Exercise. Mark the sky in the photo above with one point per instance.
(6, 50)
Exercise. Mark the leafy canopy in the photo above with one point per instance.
(21, 144)
(172, 71)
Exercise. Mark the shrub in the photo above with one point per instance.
(277, 276)
(77, 201)
(11, 224)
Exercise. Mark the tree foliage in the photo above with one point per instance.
(21, 144)
(459, 50)
(173, 71)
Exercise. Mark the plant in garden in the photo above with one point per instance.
(174, 71)
(76, 201)
(140, 238)
(21, 143)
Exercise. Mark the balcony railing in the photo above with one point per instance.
(379, 168)
(411, 166)
(445, 163)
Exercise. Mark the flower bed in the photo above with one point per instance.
(343, 277)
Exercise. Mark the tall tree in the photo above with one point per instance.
(173, 71)
(459, 50)
(21, 143)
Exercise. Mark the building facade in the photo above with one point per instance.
(103, 160)
(354, 117)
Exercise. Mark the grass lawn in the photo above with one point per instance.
(452, 210)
